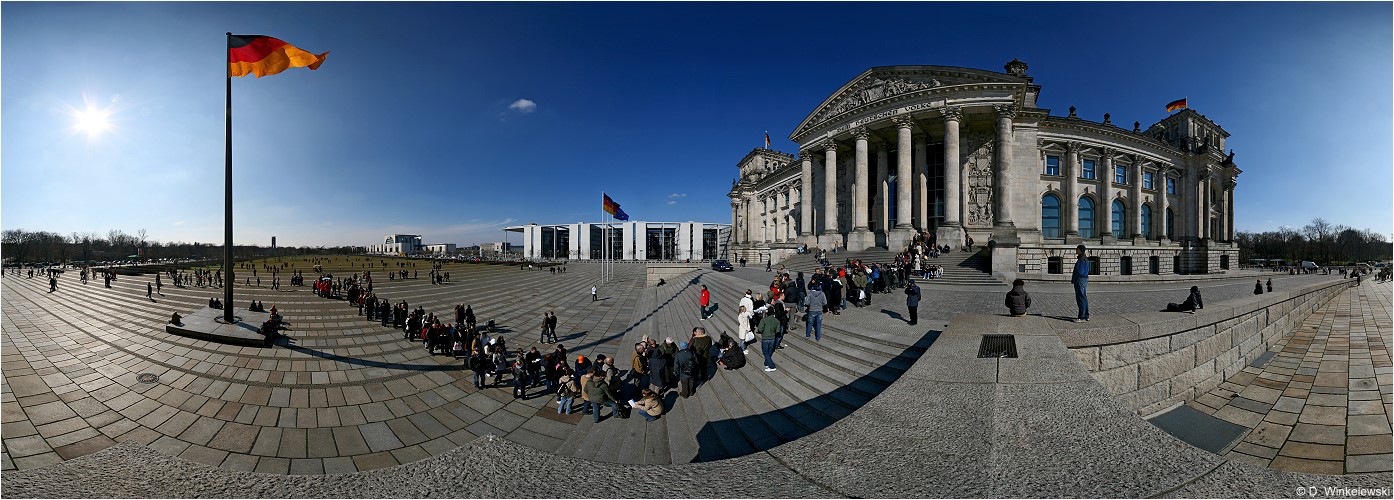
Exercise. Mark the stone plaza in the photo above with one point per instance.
(95, 392)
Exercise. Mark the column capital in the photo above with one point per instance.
(953, 113)
(1073, 147)
(806, 153)
(903, 122)
(829, 145)
(861, 133)
(1007, 111)
(1108, 153)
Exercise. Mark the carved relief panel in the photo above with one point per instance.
(977, 185)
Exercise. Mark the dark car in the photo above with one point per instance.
(722, 265)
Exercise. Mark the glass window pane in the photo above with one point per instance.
(1171, 186)
(1050, 216)
(1088, 172)
(1146, 214)
(1118, 219)
(1052, 165)
(1120, 174)
(1147, 180)
(1086, 217)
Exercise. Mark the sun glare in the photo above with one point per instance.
(92, 121)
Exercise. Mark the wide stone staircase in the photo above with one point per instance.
(742, 411)
(960, 268)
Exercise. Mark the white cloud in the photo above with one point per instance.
(672, 202)
(523, 106)
(676, 195)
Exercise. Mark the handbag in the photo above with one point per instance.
(749, 336)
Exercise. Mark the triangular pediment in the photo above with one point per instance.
(891, 82)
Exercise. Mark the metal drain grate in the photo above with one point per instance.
(147, 378)
(997, 346)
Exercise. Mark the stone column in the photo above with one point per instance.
(1003, 182)
(898, 238)
(1069, 213)
(751, 220)
(1203, 218)
(1229, 211)
(831, 237)
(861, 237)
(883, 193)
(921, 196)
(1106, 194)
(951, 233)
(1135, 216)
(1161, 223)
(806, 195)
(735, 221)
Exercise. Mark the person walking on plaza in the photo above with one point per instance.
(704, 299)
(769, 329)
(149, 291)
(593, 294)
(552, 326)
(52, 284)
(158, 285)
(813, 307)
(1018, 301)
(1080, 279)
(912, 301)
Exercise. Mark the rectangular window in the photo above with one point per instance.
(1088, 170)
(1052, 166)
(1120, 174)
(1171, 186)
(1147, 180)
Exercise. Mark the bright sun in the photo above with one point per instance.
(92, 121)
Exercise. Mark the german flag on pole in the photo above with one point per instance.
(612, 208)
(1177, 104)
(767, 140)
(262, 55)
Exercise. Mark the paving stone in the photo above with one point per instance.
(1368, 445)
(1268, 434)
(1308, 466)
(1322, 415)
(1369, 463)
(1364, 425)
(1313, 451)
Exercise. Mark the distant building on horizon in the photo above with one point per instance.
(628, 240)
(397, 244)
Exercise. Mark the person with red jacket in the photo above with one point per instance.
(705, 300)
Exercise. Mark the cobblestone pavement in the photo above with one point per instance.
(1321, 404)
(347, 395)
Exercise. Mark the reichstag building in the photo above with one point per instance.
(870, 172)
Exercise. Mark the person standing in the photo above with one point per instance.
(52, 284)
(704, 300)
(1080, 279)
(149, 291)
(813, 307)
(912, 301)
(769, 329)
(593, 293)
(702, 351)
(685, 364)
(158, 285)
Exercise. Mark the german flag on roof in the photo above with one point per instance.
(262, 55)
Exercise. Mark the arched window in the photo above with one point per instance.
(1050, 216)
(1145, 212)
(1118, 213)
(1086, 217)
(1171, 224)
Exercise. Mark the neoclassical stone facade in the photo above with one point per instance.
(871, 170)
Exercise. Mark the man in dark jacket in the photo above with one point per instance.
(1017, 299)
(599, 393)
(686, 367)
(1080, 279)
(769, 329)
(1192, 303)
(912, 301)
(813, 305)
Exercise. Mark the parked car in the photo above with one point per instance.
(722, 265)
(1307, 264)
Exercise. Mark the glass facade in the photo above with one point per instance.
(935, 180)
(661, 243)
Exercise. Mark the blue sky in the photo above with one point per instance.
(414, 123)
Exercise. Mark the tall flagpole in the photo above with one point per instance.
(227, 155)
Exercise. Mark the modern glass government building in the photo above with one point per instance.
(870, 171)
(628, 240)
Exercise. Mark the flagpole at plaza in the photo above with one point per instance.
(227, 234)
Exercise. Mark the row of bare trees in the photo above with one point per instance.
(23, 246)
(1321, 241)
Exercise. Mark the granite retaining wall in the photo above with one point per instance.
(1155, 361)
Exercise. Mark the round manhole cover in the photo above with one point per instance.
(147, 378)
